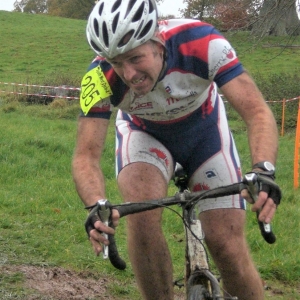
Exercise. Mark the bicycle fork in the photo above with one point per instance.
(197, 268)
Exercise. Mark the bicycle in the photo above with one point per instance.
(201, 283)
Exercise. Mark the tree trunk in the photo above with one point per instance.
(278, 18)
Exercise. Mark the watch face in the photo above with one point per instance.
(268, 166)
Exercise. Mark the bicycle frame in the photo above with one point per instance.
(197, 264)
(197, 275)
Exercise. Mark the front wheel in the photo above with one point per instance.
(197, 292)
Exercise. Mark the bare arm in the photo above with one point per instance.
(247, 100)
(244, 96)
(87, 175)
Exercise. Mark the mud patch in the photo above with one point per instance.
(58, 284)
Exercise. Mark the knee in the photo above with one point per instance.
(230, 254)
(146, 225)
(229, 246)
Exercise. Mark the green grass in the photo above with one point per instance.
(41, 216)
(37, 46)
(58, 46)
(265, 56)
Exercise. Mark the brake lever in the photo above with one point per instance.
(104, 214)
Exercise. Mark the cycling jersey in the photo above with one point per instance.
(183, 117)
(198, 60)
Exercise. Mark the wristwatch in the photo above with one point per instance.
(264, 165)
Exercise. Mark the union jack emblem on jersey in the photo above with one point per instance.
(168, 89)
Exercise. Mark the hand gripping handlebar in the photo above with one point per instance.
(256, 182)
(253, 183)
(102, 211)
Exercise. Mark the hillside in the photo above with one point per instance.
(44, 250)
(36, 46)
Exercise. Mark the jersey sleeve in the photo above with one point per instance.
(223, 63)
(203, 50)
(103, 108)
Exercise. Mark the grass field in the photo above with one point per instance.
(56, 46)
(41, 217)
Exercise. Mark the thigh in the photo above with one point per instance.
(133, 145)
(217, 171)
(220, 167)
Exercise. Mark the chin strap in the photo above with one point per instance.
(163, 69)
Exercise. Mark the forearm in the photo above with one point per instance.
(87, 175)
(263, 137)
(89, 181)
(248, 101)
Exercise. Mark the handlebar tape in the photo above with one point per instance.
(113, 254)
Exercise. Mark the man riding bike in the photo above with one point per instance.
(164, 79)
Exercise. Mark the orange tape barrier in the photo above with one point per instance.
(56, 91)
(59, 92)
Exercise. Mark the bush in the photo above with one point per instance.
(276, 87)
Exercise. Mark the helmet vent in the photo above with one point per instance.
(139, 29)
(145, 30)
(101, 8)
(126, 38)
(116, 5)
(105, 34)
(96, 27)
(95, 47)
(151, 7)
(117, 26)
(115, 22)
(138, 15)
(129, 7)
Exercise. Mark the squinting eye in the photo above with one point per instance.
(115, 64)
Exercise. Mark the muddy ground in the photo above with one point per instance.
(54, 283)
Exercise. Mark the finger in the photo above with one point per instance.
(260, 201)
(96, 239)
(115, 217)
(103, 228)
(268, 211)
(246, 196)
(96, 246)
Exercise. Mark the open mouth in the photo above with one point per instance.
(138, 81)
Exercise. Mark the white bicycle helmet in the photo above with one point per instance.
(117, 26)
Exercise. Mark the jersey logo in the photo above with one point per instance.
(200, 187)
(94, 88)
(168, 89)
(210, 174)
(160, 154)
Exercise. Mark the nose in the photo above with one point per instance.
(128, 71)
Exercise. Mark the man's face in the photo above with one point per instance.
(140, 67)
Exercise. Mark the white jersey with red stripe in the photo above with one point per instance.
(183, 118)
(199, 59)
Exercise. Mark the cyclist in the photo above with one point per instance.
(164, 81)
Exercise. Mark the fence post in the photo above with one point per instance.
(282, 117)
(297, 148)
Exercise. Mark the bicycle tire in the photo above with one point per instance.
(197, 292)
